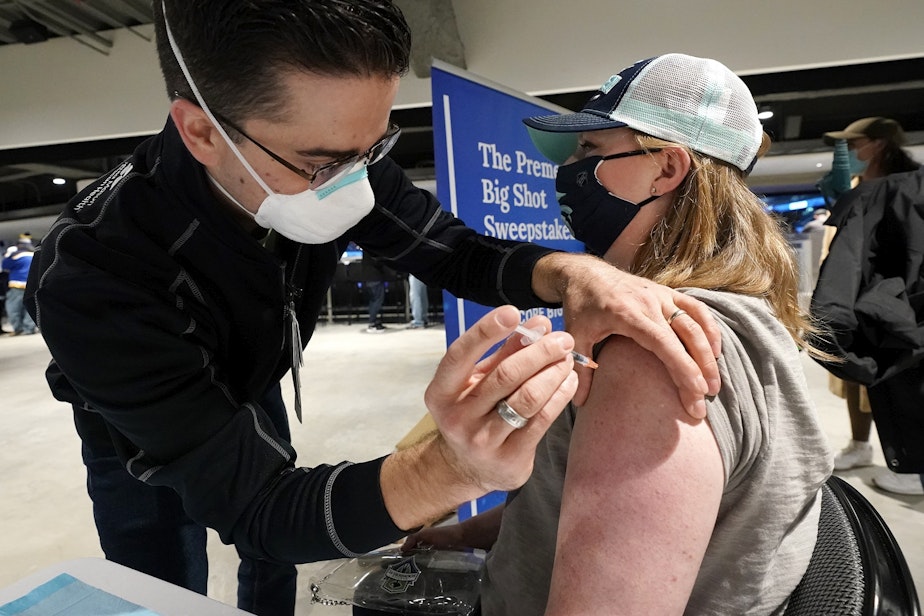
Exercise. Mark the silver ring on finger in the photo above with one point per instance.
(509, 415)
(677, 313)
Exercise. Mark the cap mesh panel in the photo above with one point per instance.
(707, 108)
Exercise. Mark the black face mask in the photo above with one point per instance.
(594, 215)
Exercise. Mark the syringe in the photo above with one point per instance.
(532, 335)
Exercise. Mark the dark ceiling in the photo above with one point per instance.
(806, 103)
(85, 21)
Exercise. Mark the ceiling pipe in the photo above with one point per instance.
(113, 21)
(34, 169)
(62, 27)
(57, 29)
(101, 15)
(911, 84)
(72, 21)
(6, 36)
(75, 23)
(9, 13)
(143, 16)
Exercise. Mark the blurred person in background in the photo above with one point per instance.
(874, 150)
(16, 263)
(4, 281)
(375, 275)
(420, 302)
(817, 223)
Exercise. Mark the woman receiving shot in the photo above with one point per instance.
(634, 507)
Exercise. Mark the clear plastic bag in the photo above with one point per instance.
(421, 581)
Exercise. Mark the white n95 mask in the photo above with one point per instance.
(320, 215)
(314, 216)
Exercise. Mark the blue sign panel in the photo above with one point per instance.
(490, 175)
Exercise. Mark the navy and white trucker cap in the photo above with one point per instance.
(696, 102)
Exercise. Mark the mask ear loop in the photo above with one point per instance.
(204, 107)
(229, 195)
(641, 203)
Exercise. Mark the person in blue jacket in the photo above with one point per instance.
(16, 263)
(177, 291)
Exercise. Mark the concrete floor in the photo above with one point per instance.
(363, 391)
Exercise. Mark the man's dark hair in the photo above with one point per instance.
(237, 51)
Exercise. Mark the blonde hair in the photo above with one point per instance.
(717, 235)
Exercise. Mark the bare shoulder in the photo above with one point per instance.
(630, 377)
(634, 418)
(637, 457)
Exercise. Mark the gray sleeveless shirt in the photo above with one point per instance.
(775, 456)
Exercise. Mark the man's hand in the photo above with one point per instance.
(536, 382)
(600, 300)
(477, 451)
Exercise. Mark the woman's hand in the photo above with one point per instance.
(478, 532)
(440, 537)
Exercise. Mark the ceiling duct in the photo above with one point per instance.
(84, 21)
(434, 34)
(28, 31)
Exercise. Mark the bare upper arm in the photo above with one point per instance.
(641, 493)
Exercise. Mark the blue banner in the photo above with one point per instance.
(490, 175)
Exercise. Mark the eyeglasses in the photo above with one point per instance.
(321, 174)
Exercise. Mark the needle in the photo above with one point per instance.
(532, 335)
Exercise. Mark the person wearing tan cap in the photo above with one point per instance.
(875, 146)
(875, 151)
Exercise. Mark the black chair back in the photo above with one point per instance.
(857, 568)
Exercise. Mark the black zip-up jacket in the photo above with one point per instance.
(169, 320)
(870, 293)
